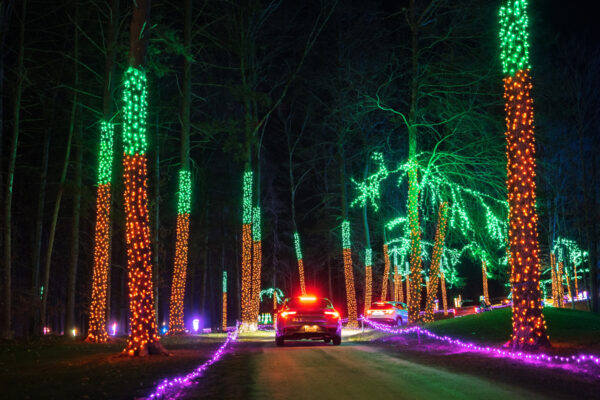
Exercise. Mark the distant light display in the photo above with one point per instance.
(529, 326)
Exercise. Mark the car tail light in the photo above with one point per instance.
(308, 298)
(369, 311)
(332, 314)
(285, 314)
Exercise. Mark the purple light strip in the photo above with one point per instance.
(543, 359)
(178, 382)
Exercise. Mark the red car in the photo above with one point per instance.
(308, 317)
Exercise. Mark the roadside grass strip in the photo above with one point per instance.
(574, 363)
(169, 387)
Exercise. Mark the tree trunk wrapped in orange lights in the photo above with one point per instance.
(256, 262)
(386, 272)
(529, 327)
(444, 297)
(486, 294)
(560, 289)
(349, 276)
(246, 295)
(98, 306)
(436, 258)
(144, 337)
(176, 322)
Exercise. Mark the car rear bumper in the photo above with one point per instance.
(383, 320)
(309, 331)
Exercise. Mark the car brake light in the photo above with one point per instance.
(369, 311)
(308, 298)
(285, 314)
(332, 314)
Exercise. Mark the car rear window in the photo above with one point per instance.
(380, 306)
(295, 302)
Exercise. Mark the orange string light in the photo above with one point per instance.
(176, 323)
(386, 272)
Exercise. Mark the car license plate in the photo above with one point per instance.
(308, 328)
(377, 312)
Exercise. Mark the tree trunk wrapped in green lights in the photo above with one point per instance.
(300, 262)
(97, 324)
(415, 279)
(349, 276)
(438, 249)
(176, 321)
(529, 327)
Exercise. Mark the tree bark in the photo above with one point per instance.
(74, 259)
(6, 323)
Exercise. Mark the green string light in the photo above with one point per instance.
(297, 246)
(514, 36)
(134, 112)
(224, 281)
(368, 257)
(346, 234)
(256, 221)
(106, 152)
(184, 204)
(369, 189)
(247, 199)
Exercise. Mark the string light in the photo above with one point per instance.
(400, 294)
(144, 337)
(539, 359)
(415, 279)
(369, 189)
(349, 276)
(300, 262)
(257, 262)
(529, 326)
(554, 281)
(368, 278)
(97, 331)
(559, 285)
(436, 259)
(170, 388)
(486, 294)
(176, 319)
(224, 323)
(386, 272)
(444, 298)
(246, 295)
(569, 287)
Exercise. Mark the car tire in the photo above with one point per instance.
(400, 322)
(337, 340)
(327, 340)
(279, 341)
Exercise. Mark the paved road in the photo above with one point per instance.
(311, 370)
(255, 368)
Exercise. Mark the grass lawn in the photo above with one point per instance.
(58, 368)
(569, 330)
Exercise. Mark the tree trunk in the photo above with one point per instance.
(37, 245)
(72, 276)
(6, 323)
